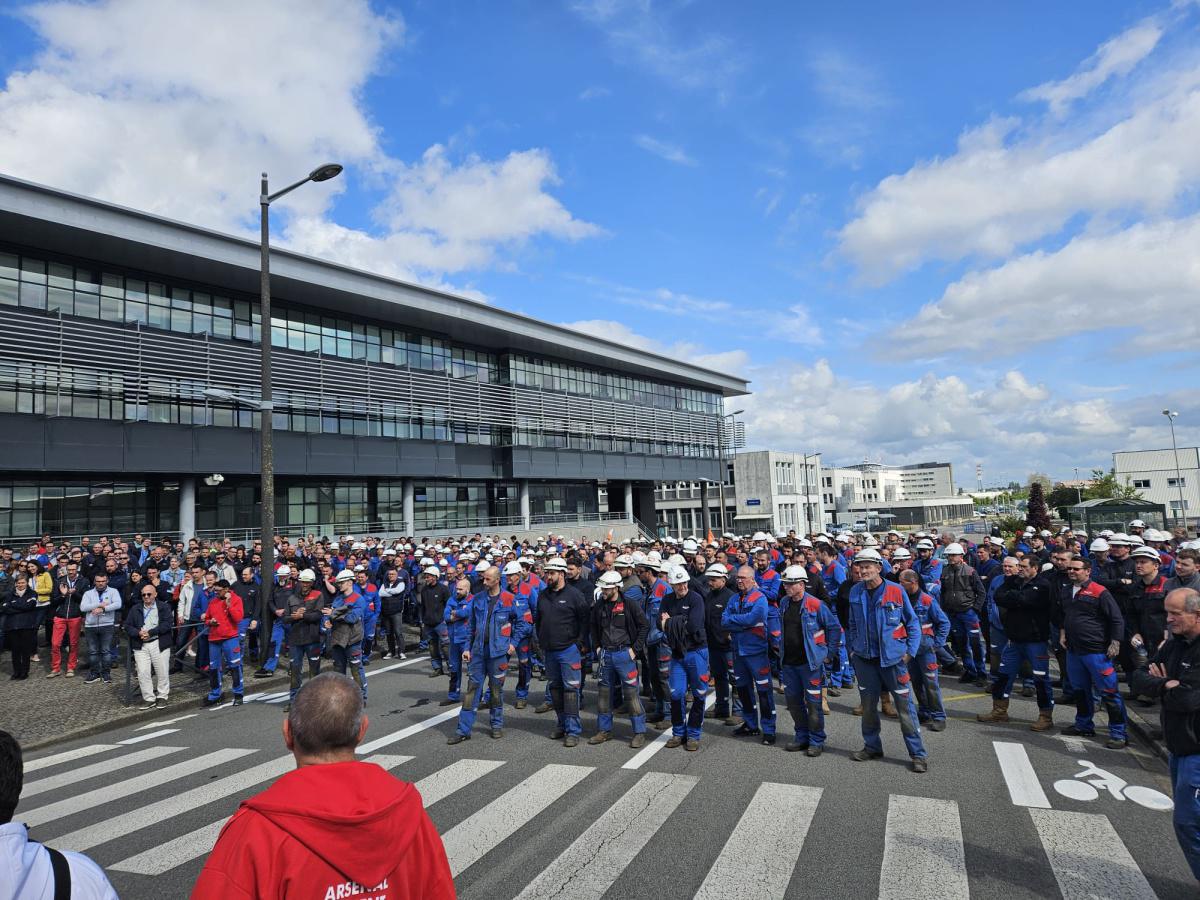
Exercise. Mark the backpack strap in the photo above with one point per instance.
(62, 874)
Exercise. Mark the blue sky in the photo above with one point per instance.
(968, 234)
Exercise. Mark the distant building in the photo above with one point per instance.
(777, 491)
(888, 496)
(1154, 475)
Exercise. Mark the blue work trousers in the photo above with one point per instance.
(564, 670)
(1185, 776)
(494, 669)
(965, 628)
(224, 655)
(754, 682)
(924, 675)
(1096, 672)
(689, 673)
(457, 648)
(618, 677)
(1037, 653)
(873, 679)
(802, 692)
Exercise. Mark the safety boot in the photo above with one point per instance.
(638, 741)
(1045, 720)
(886, 705)
(999, 712)
(675, 741)
(544, 708)
(858, 710)
(521, 703)
(600, 737)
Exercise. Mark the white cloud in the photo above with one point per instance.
(1113, 58)
(798, 327)
(669, 152)
(1011, 183)
(594, 92)
(118, 107)
(1143, 280)
(728, 361)
(845, 82)
(660, 300)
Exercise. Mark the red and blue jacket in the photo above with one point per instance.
(653, 603)
(457, 618)
(935, 624)
(822, 632)
(491, 630)
(833, 575)
(768, 582)
(882, 623)
(745, 618)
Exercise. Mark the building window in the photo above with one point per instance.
(73, 509)
(1175, 505)
(1141, 483)
(1177, 482)
(785, 478)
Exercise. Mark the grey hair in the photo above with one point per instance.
(327, 715)
(1191, 598)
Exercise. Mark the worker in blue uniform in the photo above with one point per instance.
(923, 666)
(745, 618)
(883, 633)
(489, 638)
(811, 637)
(682, 622)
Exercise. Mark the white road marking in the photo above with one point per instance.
(115, 768)
(771, 832)
(471, 839)
(148, 737)
(1023, 785)
(162, 722)
(33, 765)
(923, 850)
(166, 856)
(1089, 860)
(1074, 744)
(403, 733)
(597, 857)
(131, 783)
(444, 782)
(644, 755)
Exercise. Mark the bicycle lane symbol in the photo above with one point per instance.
(1090, 783)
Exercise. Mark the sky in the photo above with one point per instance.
(968, 233)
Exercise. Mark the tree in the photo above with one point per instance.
(1062, 497)
(1105, 486)
(1040, 478)
(1037, 516)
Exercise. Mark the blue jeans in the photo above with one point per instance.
(225, 654)
(873, 679)
(1089, 671)
(351, 656)
(99, 639)
(689, 673)
(753, 674)
(618, 677)
(495, 669)
(565, 671)
(1185, 776)
(1038, 655)
(802, 690)
(965, 627)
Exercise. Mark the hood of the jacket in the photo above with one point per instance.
(344, 813)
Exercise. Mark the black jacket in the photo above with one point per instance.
(618, 625)
(1180, 714)
(1090, 618)
(66, 606)
(714, 608)
(562, 618)
(393, 603)
(433, 599)
(685, 627)
(136, 617)
(1147, 615)
(1025, 609)
(19, 611)
(1119, 577)
(307, 630)
(250, 594)
(962, 589)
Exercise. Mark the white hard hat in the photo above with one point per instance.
(1137, 523)
(556, 564)
(513, 568)
(307, 575)
(426, 561)
(609, 580)
(995, 541)
(1146, 553)
(869, 540)
(759, 536)
(716, 570)
(1028, 529)
(1120, 539)
(954, 549)
(924, 544)
(344, 575)
(677, 575)
(690, 546)
(1044, 533)
(638, 558)
(358, 545)
(624, 561)
(794, 575)
(282, 572)
(1098, 545)
(804, 542)
(868, 554)
(901, 553)
(359, 568)
(390, 551)
(431, 570)
(1137, 540)
(482, 566)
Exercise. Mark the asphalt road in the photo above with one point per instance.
(526, 816)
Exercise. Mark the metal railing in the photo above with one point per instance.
(21, 541)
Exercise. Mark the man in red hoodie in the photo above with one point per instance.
(222, 616)
(334, 827)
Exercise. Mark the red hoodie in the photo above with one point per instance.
(223, 620)
(338, 830)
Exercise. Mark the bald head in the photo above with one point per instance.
(326, 721)
(910, 580)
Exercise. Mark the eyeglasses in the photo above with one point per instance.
(1077, 568)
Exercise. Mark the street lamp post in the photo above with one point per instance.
(807, 510)
(1078, 487)
(1171, 416)
(266, 407)
(721, 456)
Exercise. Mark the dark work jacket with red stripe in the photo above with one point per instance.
(1149, 617)
(1090, 618)
(684, 629)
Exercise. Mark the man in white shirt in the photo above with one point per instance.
(27, 868)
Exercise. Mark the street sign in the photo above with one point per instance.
(754, 501)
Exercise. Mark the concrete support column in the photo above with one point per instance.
(706, 518)
(187, 509)
(408, 504)
(523, 487)
(629, 501)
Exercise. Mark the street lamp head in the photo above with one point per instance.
(325, 172)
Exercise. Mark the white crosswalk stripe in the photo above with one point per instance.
(923, 851)
(164, 857)
(470, 840)
(129, 784)
(456, 776)
(778, 816)
(596, 859)
(34, 765)
(148, 737)
(110, 767)
(1089, 860)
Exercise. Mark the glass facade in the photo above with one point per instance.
(562, 498)
(92, 508)
(442, 505)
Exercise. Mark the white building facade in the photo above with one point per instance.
(777, 491)
(886, 496)
(1153, 473)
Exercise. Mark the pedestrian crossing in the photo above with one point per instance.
(95, 799)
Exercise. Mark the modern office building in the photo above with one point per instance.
(396, 407)
(1154, 474)
(778, 491)
(887, 496)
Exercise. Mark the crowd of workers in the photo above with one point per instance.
(658, 624)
